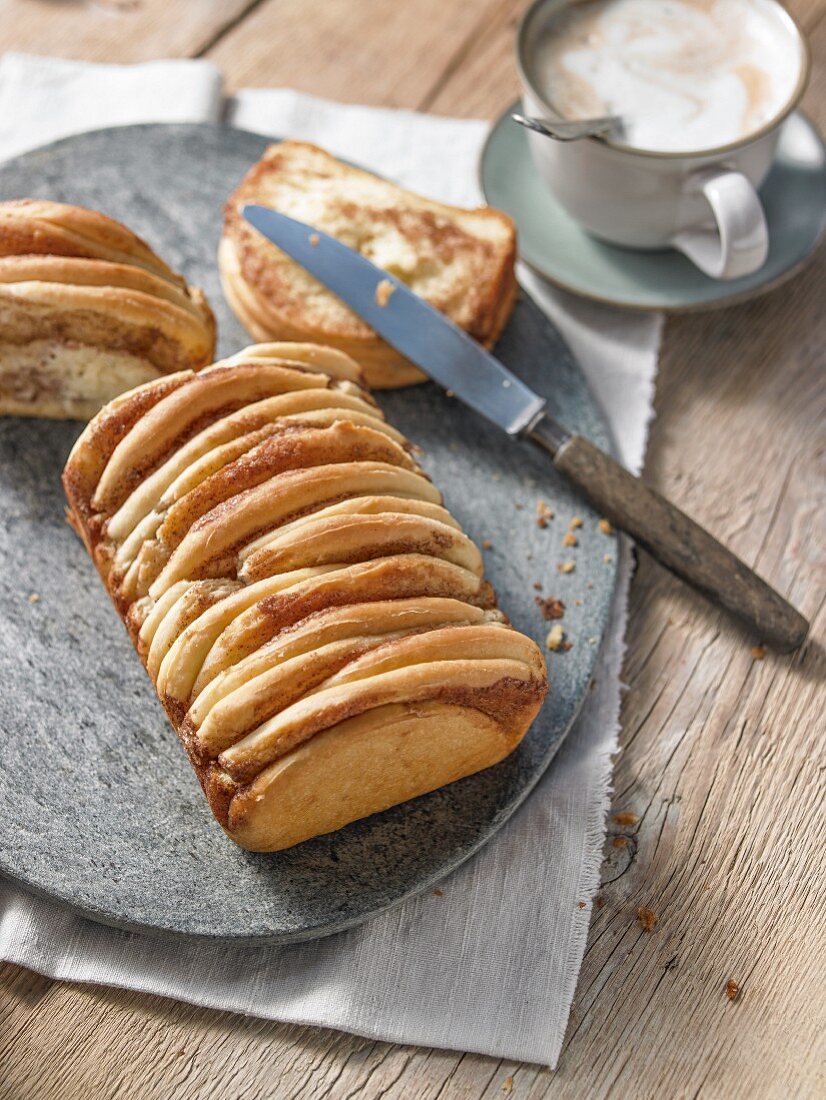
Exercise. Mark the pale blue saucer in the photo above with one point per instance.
(794, 198)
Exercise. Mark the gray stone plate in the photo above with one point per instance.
(98, 805)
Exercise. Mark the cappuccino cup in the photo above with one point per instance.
(702, 88)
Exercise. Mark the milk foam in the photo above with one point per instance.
(686, 75)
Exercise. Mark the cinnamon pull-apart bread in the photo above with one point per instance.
(315, 622)
(87, 310)
(461, 261)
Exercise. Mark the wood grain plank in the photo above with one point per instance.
(377, 52)
(115, 30)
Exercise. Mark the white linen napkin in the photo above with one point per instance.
(491, 965)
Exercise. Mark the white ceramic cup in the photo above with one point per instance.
(703, 203)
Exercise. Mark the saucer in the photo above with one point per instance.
(793, 195)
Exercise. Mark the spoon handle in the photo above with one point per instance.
(563, 130)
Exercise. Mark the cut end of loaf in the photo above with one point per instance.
(87, 310)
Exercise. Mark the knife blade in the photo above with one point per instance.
(452, 358)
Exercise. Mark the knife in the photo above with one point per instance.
(456, 361)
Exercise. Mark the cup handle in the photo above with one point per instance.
(738, 243)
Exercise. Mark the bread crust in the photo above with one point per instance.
(461, 261)
(316, 624)
(87, 310)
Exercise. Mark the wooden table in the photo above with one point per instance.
(721, 757)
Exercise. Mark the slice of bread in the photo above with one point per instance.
(461, 261)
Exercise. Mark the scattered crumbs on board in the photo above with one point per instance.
(544, 514)
(758, 652)
(487, 544)
(556, 638)
(576, 521)
(606, 526)
(626, 818)
(550, 606)
(566, 566)
(732, 989)
(620, 841)
(439, 892)
(314, 240)
(34, 598)
(607, 558)
(570, 539)
(581, 904)
(507, 1085)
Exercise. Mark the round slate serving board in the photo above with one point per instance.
(98, 805)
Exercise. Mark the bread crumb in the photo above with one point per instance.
(566, 566)
(758, 652)
(577, 603)
(732, 989)
(620, 841)
(537, 586)
(581, 904)
(576, 521)
(626, 818)
(383, 292)
(551, 607)
(439, 892)
(556, 636)
(450, 393)
(606, 526)
(600, 901)
(607, 558)
(543, 513)
(647, 918)
(570, 539)
(487, 544)
(507, 1085)
(314, 239)
(34, 598)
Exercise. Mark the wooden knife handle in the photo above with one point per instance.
(678, 542)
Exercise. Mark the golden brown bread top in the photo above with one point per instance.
(38, 226)
(282, 577)
(73, 275)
